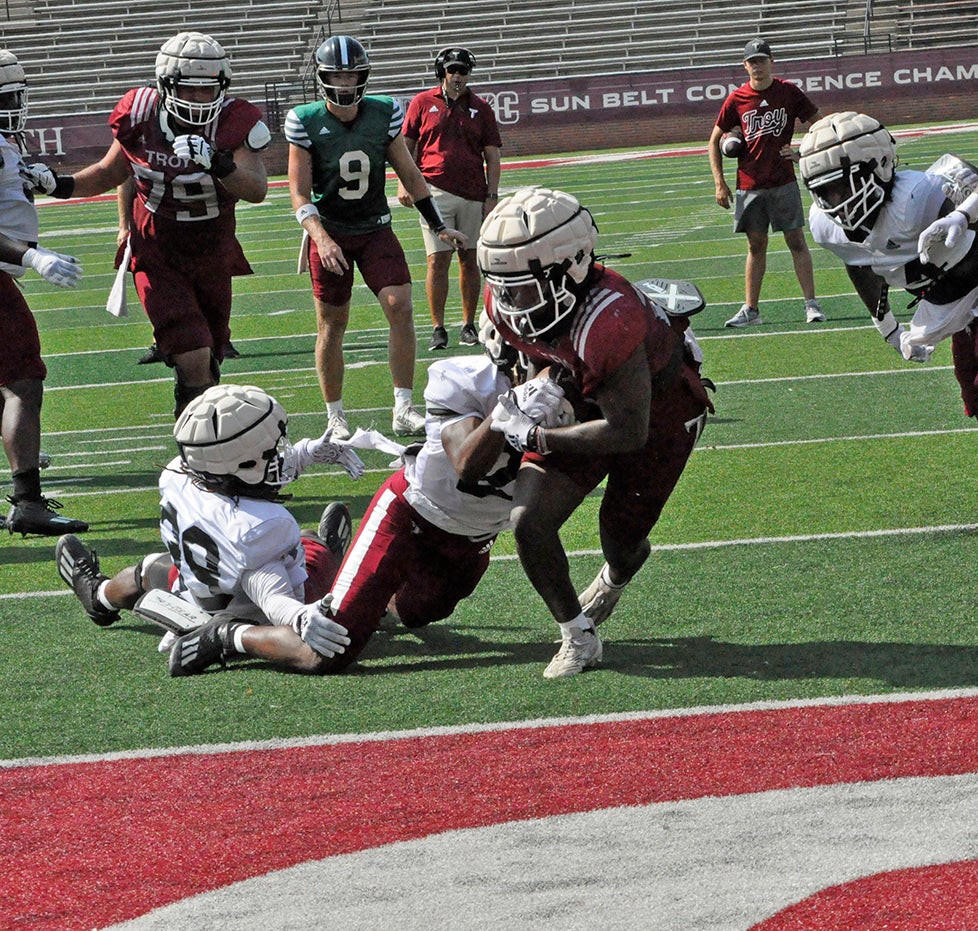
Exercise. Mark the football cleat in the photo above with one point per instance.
(575, 655)
(336, 528)
(40, 517)
(230, 351)
(439, 339)
(339, 428)
(813, 312)
(598, 600)
(468, 335)
(194, 652)
(78, 566)
(408, 421)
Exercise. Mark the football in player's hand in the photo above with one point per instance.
(732, 143)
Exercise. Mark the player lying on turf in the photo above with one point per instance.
(631, 369)
(235, 558)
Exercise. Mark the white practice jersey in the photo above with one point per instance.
(914, 204)
(215, 541)
(18, 215)
(466, 386)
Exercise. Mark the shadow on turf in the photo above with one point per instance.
(908, 665)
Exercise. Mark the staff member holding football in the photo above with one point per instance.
(763, 111)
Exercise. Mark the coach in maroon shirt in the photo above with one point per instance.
(765, 110)
(453, 136)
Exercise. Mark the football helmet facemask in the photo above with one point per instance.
(536, 249)
(235, 432)
(453, 56)
(192, 59)
(13, 94)
(500, 353)
(847, 161)
(337, 55)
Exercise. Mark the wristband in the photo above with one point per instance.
(536, 441)
(64, 186)
(306, 211)
(431, 214)
(968, 207)
(222, 163)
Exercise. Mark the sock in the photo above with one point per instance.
(237, 633)
(402, 397)
(334, 407)
(576, 626)
(101, 599)
(606, 578)
(27, 485)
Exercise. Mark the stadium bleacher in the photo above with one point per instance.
(81, 55)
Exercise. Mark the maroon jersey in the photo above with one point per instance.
(767, 119)
(451, 137)
(614, 320)
(179, 208)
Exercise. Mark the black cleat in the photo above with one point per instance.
(468, 336)
(151, 355)
(336, 528)
(439, 339)
(194, 652)
(78, 566)
(230, 352)
(40, 517)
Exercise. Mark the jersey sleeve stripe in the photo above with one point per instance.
(295, 131)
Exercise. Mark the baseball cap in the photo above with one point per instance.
(757, 48)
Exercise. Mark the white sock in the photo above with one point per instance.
(334, 407)
(403, 397)
(101, 599)
(572, 628)
(239, 632)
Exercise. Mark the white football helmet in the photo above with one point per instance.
(192, 59)
(235, 431)
(13, 94)
(847, 161)
(536, 249)
(336, 55)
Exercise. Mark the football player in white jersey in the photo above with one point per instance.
(235, 555)
(22, 371)
(890, 229)
(425, 539)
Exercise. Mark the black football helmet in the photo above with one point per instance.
(340, 54)
(453, 56)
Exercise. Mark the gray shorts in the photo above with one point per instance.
(778, 208)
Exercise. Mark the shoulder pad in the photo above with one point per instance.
(258, 137)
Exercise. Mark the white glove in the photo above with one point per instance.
(63, 270)
(541, 399)
(326, 637)
(196, 149)
(917, 353)
(41, 177)
(308, 451)
(518, 427)
(943, 232)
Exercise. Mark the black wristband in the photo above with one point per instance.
(432, 216)
(64, 186)
(222, 163)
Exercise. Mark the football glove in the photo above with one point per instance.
(307, 451)
(522, 432)
(63, 270)
(943, 232)
(219, 162)
(47, 180)
(325, 636)
(541, 399)
(917, 353)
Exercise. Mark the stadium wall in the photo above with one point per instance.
(652, 108)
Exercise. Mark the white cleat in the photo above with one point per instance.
(598, 600)
(408, 421)
(575, 655)
(339, 427)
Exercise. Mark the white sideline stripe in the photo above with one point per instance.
(321, 740)
(678, 547)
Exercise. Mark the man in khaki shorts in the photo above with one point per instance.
(453, 136)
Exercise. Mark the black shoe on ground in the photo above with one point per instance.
(468, 336)
(230, 352)
(40, 517)
(439, 339)
(336, 528)
(78, 566)
(151, 355)
(194, 652)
